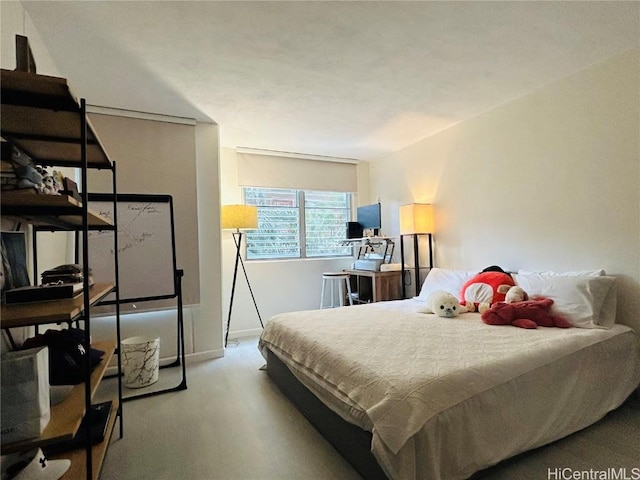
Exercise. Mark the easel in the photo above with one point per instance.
(177, 290)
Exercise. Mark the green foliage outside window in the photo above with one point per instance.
(281, 213)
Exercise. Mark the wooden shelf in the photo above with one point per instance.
(54, 311)
(49, 210)
(42, 118)
(54, 90)
(67, 415)
(78, 468)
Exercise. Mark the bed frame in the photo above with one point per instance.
(353, 443)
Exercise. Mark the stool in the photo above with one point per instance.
(331, 278)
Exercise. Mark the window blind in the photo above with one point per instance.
(296, 173)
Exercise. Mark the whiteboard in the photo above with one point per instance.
(146, 246)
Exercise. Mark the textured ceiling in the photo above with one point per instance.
(349, 79)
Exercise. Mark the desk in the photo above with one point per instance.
(375, 286)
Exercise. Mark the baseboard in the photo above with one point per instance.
(253, 332)
(202, 356)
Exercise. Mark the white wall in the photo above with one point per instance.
(209, 315)
(278, 286)
(548, 181)
(14, 20)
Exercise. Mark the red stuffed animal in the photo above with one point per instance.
(527, 314)
(485, 289)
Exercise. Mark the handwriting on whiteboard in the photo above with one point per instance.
(130, 229)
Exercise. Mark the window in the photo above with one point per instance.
(297, 223)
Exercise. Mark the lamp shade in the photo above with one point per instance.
(416, 218)
(239, 216)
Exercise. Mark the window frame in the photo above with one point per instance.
(302, 216)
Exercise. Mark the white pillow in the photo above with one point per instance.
(576, 273)
(583, 299)
(445, 279)
(608, 311)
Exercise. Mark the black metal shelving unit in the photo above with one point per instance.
(42, 118)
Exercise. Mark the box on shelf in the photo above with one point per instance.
(25, 394)
(100, 414)
(371, 264)
(41, 293)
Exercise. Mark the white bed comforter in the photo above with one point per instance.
(400, 374)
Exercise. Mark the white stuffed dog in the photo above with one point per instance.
(444, 304)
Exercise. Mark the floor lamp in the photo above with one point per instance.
(236, 217)
(416, 219)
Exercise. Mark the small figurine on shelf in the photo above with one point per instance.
(51, 182)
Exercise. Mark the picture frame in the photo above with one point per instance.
(13, 271)
(70, 188)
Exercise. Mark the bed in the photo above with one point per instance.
(408, 395)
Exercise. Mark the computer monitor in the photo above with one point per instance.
(369, 217)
